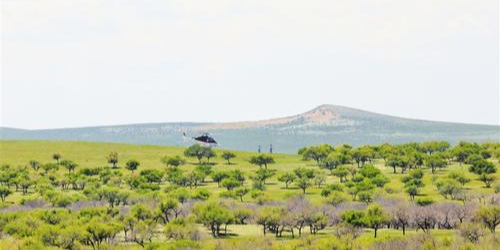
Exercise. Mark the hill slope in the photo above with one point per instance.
(324, 124)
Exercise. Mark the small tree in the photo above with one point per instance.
(262, 160)
(460, 177)
(195, 151)
(218, 176)
(341, 173)
(263, 174)
(209, 153)
(132, 165)
(287, 178)
(448, 187)
(227, 155)
(482, 167)
(332, 162)
(317, 153)
(230, 183)
(97, 233)
(434, 162)
(375, 218)
(174, 161)
(69, 165)
(113, 158)
(213, 216)
(50, 167)
(57, 157)
(240, 192)
(35, 165)
(4, 192)
(303, 183)
(168, 209)
(489, 216)
(488, 179)
(203, 171)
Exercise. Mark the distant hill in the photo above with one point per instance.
(324, 124)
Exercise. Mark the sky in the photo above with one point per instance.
(73, 63)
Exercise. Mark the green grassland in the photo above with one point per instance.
(89, 154)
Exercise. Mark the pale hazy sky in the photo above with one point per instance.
(68, 63)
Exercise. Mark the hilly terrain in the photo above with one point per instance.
(324, 124)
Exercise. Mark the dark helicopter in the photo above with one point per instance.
(204, 140)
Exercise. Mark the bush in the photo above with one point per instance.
(182, 229)
(424, 201)
(201, 194)
(336, 198)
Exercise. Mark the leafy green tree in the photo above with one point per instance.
(113, 158)
(143, 232)
(304, 173)
(132, 165)
(194, 178)
(354, 218)
(471, 159)
(201, 194)
(237, 175)
(269, 217)
(35, 165)
(380, 180)
(168, 209)
(199, 152)
(303, 183)
(230, 183)
(263, 174)
(375, 218)
(218, 176)
(434, 146)
(69, 165)
(464, 149)
(114, 196)
(434, 162)
(152, 175)
(459, 176)
(413, 182)
(395, 161)
(262, 160)
(332, 161)
(209, 153)
(213, 216)
(4, 193)
(489, 216)
(174, 161)
(483, 167)
(56, 157)
(240, 192)
(319, 178)
(97, 233)
(342, 173)
(336, 198)
(316, 153)
(449, 188)
(48, 167)
(228, 155)
(287, 178)
(61, 237)
(362, 155)
(203, 171)
(365, 196)
(488, 179)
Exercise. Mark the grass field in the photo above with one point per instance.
(89, 154)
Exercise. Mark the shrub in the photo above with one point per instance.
(424, 201)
